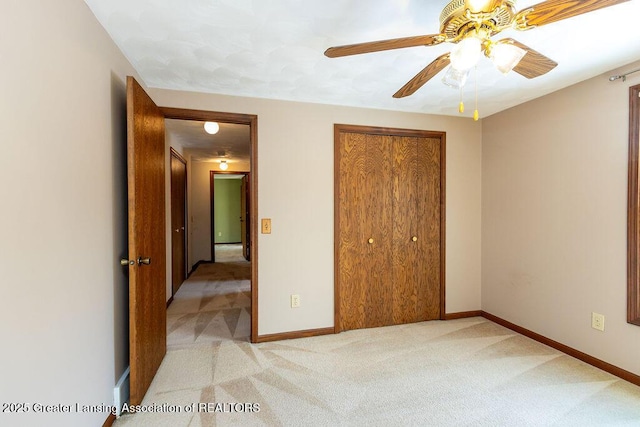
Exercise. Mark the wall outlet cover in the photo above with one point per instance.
(597, 321)
(295, 301)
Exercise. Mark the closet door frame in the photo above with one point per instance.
(370, 130)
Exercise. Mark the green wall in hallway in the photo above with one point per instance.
(227, 210)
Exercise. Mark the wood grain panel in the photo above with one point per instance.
(295, 335)
(351, 204)
(382, 45)
(533, 64)
(389, 187)
(424, 76)
(405, 260)
(178, 220)
(376, 219)
(633, 216)
(551, 11)
(147, 236)
(429, 228)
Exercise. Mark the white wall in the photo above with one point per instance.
(63, 320)
(296, 140)
(554, 209)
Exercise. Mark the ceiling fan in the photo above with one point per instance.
(470, 25)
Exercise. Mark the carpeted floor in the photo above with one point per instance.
(468, 372)
(214, 303)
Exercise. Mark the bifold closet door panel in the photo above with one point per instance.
(428, 251)
(378, 221)
(364, 272)
(416, 229)
(405, 261)
(388, 227)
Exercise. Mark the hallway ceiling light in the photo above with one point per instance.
(224, 165)
(211, 127)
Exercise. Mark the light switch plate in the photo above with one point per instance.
(266, 225)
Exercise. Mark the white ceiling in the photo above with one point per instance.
(274, 49)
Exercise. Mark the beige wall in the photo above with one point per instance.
(200, 208)
(63, 321)
(296, 140)
(554, 217)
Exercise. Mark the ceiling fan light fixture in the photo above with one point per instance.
(476, 6)
(455, 78)
(211, 127)
(506, 56)
(466, 54)
(224, 165)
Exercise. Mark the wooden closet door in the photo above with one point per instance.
(390, 192)
(406, 262)
(416, 230)
(429, 250)
(364, 212)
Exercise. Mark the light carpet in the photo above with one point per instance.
(213, 304)
(467, 372)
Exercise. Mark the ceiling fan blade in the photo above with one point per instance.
(356, 49)
(533, 64)
(557, 10)
(423, 76)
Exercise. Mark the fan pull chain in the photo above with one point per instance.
(461, 106)
(476, 115)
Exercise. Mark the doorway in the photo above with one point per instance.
(178, 171)
(230, 212)
(250, 123)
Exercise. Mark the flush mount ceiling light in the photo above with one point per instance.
(211, 127)
(471, 25)
(224, 165)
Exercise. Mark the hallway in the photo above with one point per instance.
(213, 304)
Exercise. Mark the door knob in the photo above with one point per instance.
(371, 240)
(414, 238)
(125, 262)
(145, 261)
(177, 230)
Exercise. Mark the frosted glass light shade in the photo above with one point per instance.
(466, 54)
(211, 127)
(506, 56)
(455, 78)
(224, 165)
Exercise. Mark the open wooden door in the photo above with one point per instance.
(245, 231)
(178, 221)
(147, 242)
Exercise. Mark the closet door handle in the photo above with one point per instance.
(414, 239)
(371, 240)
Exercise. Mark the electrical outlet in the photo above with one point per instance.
(597, 321)
(295, 301)
(219, 233)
